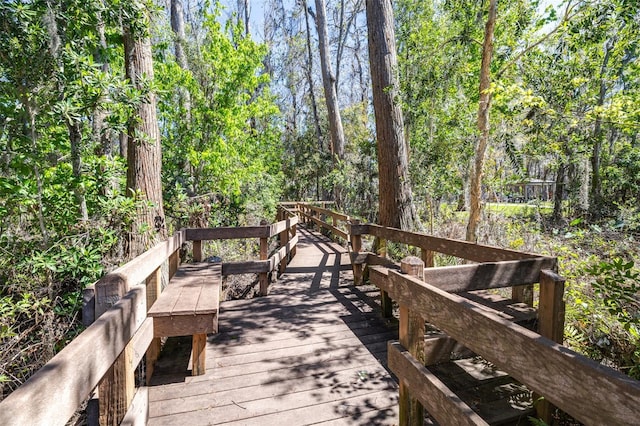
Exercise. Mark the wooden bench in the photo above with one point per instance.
(189, 307)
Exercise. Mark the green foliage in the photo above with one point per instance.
(229, 144)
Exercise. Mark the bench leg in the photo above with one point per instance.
(198, 354)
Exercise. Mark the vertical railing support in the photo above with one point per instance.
(356, 248)
(551, 310)
(197, 251)
(117, 387)
(284, 240)
(264, 252)
(385, 300)
(411, 336)
(154, 288)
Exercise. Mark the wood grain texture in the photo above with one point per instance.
(138, 413)
(184, 325)
(282, 225)
(462, 249)
(458, 279)
(249, 267)
(441, 403)
(198, 354)
(227, 233)
(565, 378)
(54, 392)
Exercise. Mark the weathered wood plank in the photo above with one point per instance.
(562, 376)
(227, 233)
(183, 325)
(138, 413)
(458, 279)
(441, 403)
(198, 354)
(282, 225)
(282, 253)
(54, 392)
(249, 267)
(462, 249)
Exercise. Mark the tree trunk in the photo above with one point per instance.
(309, 74)
(177, 25)
(101, 133)
(475, 185)
(75, 137)
(143, 144)
(244, 13)
(559, 192)
(596, 181)
(329, 82)
(396, 199)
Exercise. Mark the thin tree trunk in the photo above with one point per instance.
(396, 199)
(74, 126)
(475, 186)
(309, 74)
(102, 135)
(329, 82)
(559, 192)
(33, 135)
(144, 150)
(244, 13)
(177, 25)
(596, 181)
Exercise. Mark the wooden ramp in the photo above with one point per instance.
(312, 352)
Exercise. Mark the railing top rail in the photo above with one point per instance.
(566, 378)
(462, 249)
(239, 232)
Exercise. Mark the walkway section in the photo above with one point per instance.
(312, 352)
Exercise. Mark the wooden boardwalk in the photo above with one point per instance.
(312, 352)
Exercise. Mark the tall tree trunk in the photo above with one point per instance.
(559, 191)
(101, 133)
(244, 13)
(595, 193)
(329, 83)
(475, 185)
(177, 25)
(74, 126)
(143, 147)
(309, 75)
(396, 199)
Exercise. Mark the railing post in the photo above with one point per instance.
(284, 240)
(264, 253)
(411, 336)
(356, 247)
(197, 251)
(385, 300)
(550, 324)
(154, 288)
(523, 294)
(117, 387)
(174, 262)
(427, 258)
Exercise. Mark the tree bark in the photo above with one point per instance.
(329, 82)
(143, 144)
(596, 181)
(244, 13)
(396, 199)
(475, 185)
(309, 75)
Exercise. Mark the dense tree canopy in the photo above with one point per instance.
(245, 112)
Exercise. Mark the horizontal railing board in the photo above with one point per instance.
(441, 403)
(249, 267)
(138, 269)
(275, 259)
(283, 225)
(54, 393)
(588, 391)
(462, 278)
(227, 233)
(458, 248)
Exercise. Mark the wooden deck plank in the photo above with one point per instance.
(312, 351)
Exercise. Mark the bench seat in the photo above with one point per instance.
(189, 307)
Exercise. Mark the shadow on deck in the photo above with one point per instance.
(312, 352)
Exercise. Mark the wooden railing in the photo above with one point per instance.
(586, 390)
(334, 222)
(106, 354)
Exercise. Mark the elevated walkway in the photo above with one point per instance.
(312, 352)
